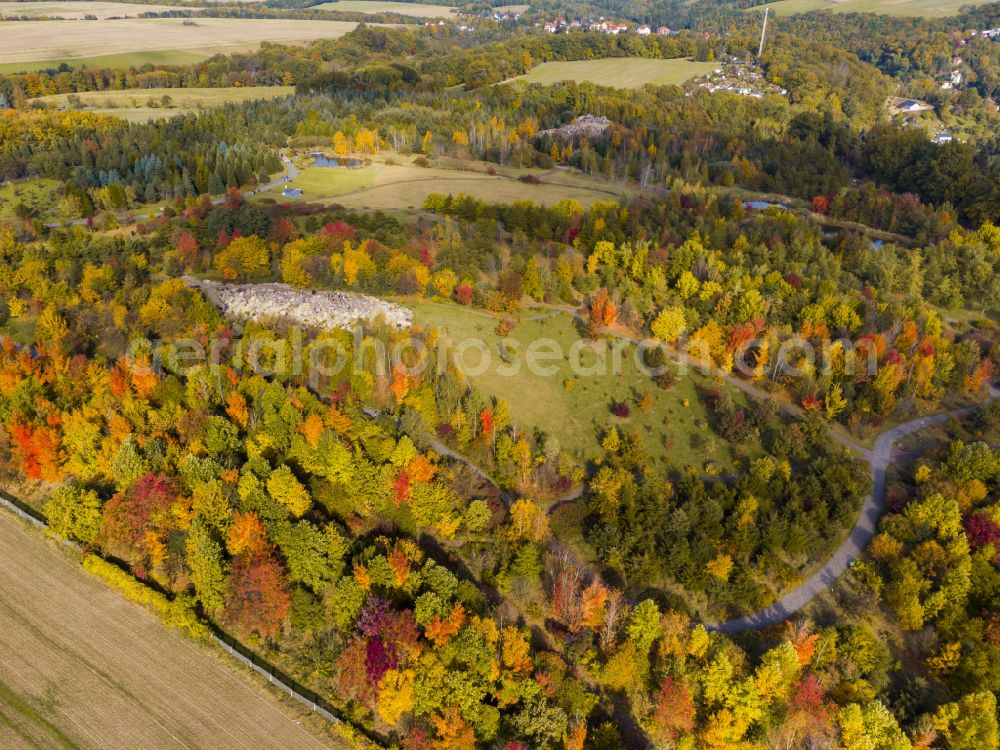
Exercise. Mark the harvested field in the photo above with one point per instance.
(74, 9)
(81, 667)
(56, 41)
(417, 10)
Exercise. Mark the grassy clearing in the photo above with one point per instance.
(619, 72)
(408, 188)
(417, 10)
(322, 183)
(38, 195)
(84, 668)
(674, 432)
(77, 9)
(135, 104)
(404, 187)
(925, 8)
(79, 41)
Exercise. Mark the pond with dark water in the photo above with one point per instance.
(320, 160)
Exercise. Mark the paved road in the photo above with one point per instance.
(874, 506)
(290, 174)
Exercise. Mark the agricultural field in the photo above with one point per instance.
(675, 431)
(122, 60)
(141, 105)
(417, 10)
(400, 187)
(81, 667)
(77, 9)
(130, 41)
(925, 8)
(619, 72)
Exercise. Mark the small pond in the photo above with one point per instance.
(761, 205)
(320, 160)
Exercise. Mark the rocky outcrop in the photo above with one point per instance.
(583, 127)
(304, 307)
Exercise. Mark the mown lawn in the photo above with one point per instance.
(320, 183)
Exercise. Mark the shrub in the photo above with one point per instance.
(621, 409)
(177, 613)
(463, 293)
(529, 179)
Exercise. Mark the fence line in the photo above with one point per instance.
(11, 504)
(247, 662)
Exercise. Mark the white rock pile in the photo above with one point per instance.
(304, 307)
(584, 126)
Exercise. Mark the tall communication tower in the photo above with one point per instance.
(763, 31)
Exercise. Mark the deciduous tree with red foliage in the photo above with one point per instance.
(284, 231)
(36, 451)
(486, 423)
(352, 680)
(188, 250)
(463, 294)
(401, 488)
(675, 710)
(257, 597)
(981, 530)
(337, 233)
(130, 515)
